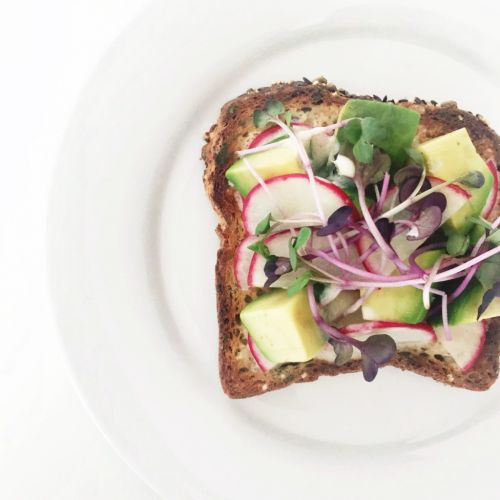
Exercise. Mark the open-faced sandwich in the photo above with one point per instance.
(355, 232)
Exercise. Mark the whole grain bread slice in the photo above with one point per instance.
(317, 103)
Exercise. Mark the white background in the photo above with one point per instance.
(49, 447)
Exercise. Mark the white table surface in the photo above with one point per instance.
(49, 447)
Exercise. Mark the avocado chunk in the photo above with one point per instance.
(400, 124)
(451, 156)
(464, 308)
(403, 304)
(271, 163)
(283, 327)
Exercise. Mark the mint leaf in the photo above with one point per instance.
(363, 151)
(372, 131)
(303, 237)
(474, 179)
(299, 283)
(351, 132)
(264, 225)
(261, 248)
(260, 118)
(274, 107)
(457, 244)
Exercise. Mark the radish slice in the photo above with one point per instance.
(466, 343)
(278, 245)
(275, 132)
(293, 195)
(263, 363)
(493, 196)
(242, 261)
(402, 333)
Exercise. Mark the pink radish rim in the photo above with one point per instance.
(265, 134)
(282, 178)
(479, 350)
(369, 326)
(493, 196)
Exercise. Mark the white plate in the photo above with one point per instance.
(132, 250)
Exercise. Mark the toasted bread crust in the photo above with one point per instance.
(316, 103)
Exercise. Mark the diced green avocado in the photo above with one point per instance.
(283, 327)
(403, 304)
(400, 123)
(464, 308)
(270, 163)
(454, 155)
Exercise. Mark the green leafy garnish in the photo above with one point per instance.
(457, 244)
(415, 156)
(363, 151)
(481, 222)
(372, 131)
(261, 248)
(474, 179)
(296, 243)
(272, 109)
(303, 237)
(351, 132)
(264, 225)
(287, 117)
(489, 271)
(299, 283)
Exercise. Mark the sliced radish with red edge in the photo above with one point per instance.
(263, 363)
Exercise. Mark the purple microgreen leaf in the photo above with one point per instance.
(261, 248)
(488, 297)
(264, 225)
(370, 368)
(380, 348)
(343, 351)
(434, 199)
(457, 244)
(283, 266)
(409, 172)
(474, 179)
(299, 283)
(385, 228)
(428, 221)
(338, 220)
(408, 186)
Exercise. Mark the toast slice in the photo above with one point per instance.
(317, 103)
